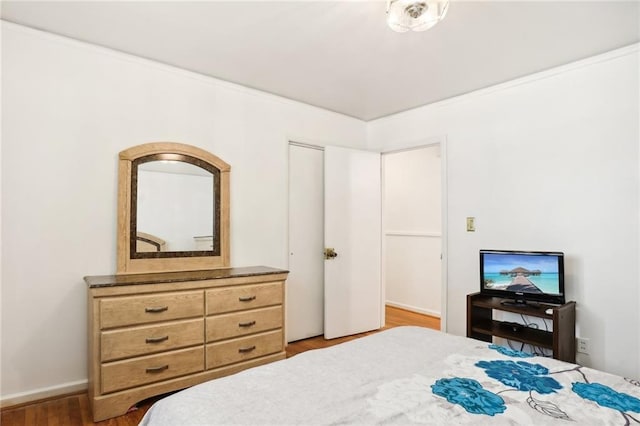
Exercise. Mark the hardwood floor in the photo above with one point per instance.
(74, 409)
(394, 317)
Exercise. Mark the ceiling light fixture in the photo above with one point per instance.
(415, 15)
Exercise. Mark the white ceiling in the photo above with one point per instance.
(339, 55)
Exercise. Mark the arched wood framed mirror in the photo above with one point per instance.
(173, 209)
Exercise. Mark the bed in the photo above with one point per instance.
(149, 243)
(407, 375)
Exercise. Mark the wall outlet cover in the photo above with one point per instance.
(582, 345)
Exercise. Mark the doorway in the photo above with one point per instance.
(305, 286)
(412, 230)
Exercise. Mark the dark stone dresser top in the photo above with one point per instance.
(170, 277)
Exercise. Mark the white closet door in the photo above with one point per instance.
(305, 284)
(352, 214)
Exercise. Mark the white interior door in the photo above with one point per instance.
(305, 284)
(352, 216)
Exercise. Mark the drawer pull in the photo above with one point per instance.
(156, 339)
(247, 324)
(246, 299)
(156, 309)
(245, 350)
(157, 369)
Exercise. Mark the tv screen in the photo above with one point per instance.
(523, 275)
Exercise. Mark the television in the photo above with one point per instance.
(523, 277)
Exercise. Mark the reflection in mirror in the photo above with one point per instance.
(148, 242)
(175, 207)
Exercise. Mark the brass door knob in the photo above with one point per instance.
(330, 253)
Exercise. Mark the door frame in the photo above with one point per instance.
(425, 143)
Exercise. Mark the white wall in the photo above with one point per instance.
(67, 110)
(548, 162)
(567, 138)
(412, 229)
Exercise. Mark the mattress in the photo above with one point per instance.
(407, 375)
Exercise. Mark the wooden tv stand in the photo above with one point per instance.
(561, 339)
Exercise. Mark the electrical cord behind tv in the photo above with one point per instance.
(536, 350)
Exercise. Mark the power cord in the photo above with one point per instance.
(536, 350)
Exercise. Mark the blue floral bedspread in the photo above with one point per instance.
(501, 385)
(408, 375)
(539, 386)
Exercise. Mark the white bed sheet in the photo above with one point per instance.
(406, 375)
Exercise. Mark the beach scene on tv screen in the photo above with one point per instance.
(521, 273)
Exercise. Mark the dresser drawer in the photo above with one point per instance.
(242, 323)
(144, 340)
(132, 310)
(242, 349)
(154, 368)
(231, 299)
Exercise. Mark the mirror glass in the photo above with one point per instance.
(175, 210)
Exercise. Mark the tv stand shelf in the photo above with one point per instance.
(561, 338)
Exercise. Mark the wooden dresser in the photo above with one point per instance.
(154, 333)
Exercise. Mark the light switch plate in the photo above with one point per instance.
(471, 224)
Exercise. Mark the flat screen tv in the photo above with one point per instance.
(523, 276)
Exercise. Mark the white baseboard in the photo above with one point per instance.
(414, 309)
(42, 393)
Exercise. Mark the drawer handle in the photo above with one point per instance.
(156, 339)
(158, 369)
(245, 350)
(247, 324)
(246, 299)
(156, 309)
